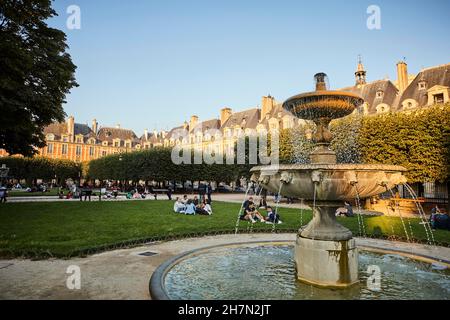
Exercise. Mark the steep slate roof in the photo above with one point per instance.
(245, 119)
(58, 129)
(368, 92)
(433, 76)
(208, 124)
(173, 130)
(109, 134)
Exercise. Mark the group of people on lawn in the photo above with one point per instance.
(250, 213)
(193, 206)
(202, 206)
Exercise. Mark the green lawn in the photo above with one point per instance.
(67, 229)
(51, 192)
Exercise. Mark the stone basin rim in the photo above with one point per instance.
(323, 93)
(158, 290)
(334, 167)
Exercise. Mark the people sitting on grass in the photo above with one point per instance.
(250, 212)
(203, 208)
(195, 201)
(272, 216)
(190, 208)
(207, 207)
(439, 219)
(179, 206)
(187, 206)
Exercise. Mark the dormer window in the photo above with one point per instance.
(438, 98)
(380, 94)
(116, 143)
(105, 143)
(422, 85)
(79, 139)
(50, 137)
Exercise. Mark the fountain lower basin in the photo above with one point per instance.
(330, 182)
(266, 271)
(325, 252)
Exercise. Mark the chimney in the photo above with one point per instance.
(402, 76)
(155, 133)
(71, 127)
(193, 123)
(225, 114)
(118, 126)
(267, 105)
(146, 134)
(185, 125)
(95, 126)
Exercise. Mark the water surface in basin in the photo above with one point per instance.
(264, 272)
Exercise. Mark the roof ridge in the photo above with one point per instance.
(436, 67)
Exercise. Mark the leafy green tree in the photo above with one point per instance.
(36, 74)
(419, 141)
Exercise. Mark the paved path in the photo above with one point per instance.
(124, 274)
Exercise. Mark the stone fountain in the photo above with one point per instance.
(325, 251)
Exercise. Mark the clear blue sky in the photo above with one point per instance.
(153, 63)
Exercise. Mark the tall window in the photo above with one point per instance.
(50, 148)
(78, 151)
(103, 153)
(64, 149)
(91, 151)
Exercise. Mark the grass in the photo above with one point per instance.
(51, 192)
(65, 229)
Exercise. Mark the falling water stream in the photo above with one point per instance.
(240, 210)
(276, 208)
(397, 207)
(314, 207)
(301, 212)
(423, 218)
(361, 224)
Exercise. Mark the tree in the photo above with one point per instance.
(36, 74)
(35, 168)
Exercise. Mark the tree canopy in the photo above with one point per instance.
(36, 73)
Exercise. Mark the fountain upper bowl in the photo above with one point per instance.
(323, 104)
(333, 182)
